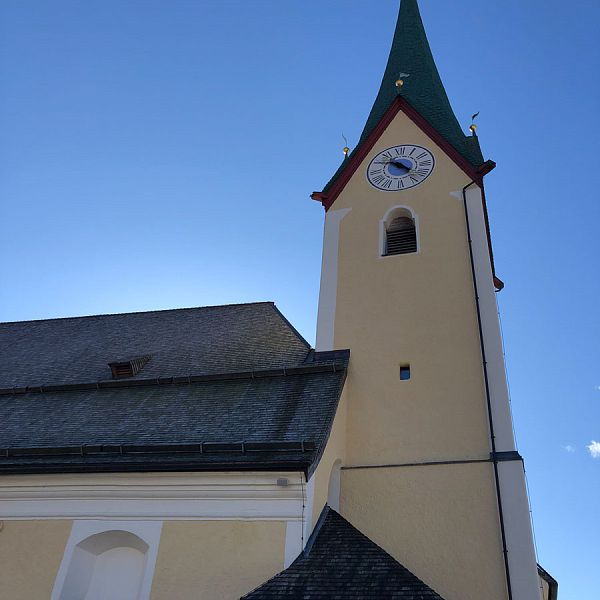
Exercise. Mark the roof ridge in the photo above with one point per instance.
(140, 312)
(315, 532)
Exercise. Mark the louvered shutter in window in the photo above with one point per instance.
(401, 236)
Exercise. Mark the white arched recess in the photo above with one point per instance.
(139, 503)
(108, 560)
(399, 210)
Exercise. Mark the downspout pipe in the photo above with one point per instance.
(487, 394)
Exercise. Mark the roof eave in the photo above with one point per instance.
(300, 466)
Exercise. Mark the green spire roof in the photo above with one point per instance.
(411, 57)
(423, 88)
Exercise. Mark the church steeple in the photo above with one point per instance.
(411, 60)
(430, 470)
(422, 96)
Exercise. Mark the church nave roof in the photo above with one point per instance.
(219, 388)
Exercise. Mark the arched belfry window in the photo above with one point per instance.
(399, 232)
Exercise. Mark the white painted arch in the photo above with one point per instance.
(398, 210)
(108, 560)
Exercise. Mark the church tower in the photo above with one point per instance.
(431, 470)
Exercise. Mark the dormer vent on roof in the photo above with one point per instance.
(128, 368)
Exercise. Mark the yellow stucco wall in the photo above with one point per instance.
(441, 522)
(216, 560)
(415, 308)
(30, 554)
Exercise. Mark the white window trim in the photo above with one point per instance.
(149, 531)
(383, 229)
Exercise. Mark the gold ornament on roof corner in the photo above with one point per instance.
(472, 126)
(400, 80)
(345, 150)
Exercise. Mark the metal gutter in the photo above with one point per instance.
(316, 367)
(128, 449)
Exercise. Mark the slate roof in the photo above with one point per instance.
(423, 88)
(339, 562)
(212, 339)
(226, 388)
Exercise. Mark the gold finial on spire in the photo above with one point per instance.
(472, 126)
(345, 150)
(400, 80)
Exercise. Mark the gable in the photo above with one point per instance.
(451, 171)
(399, 108)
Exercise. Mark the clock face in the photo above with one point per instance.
(400, 168)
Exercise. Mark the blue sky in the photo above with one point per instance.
(161, 153)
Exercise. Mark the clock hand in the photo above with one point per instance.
(391, 161)
(400, 164)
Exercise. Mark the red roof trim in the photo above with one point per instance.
(399, 104)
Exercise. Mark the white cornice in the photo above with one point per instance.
(194, 496)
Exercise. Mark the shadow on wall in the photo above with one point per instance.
(333, 494)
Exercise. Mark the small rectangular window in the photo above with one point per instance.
(404, 372)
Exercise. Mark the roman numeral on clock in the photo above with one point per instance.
(400, 167)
